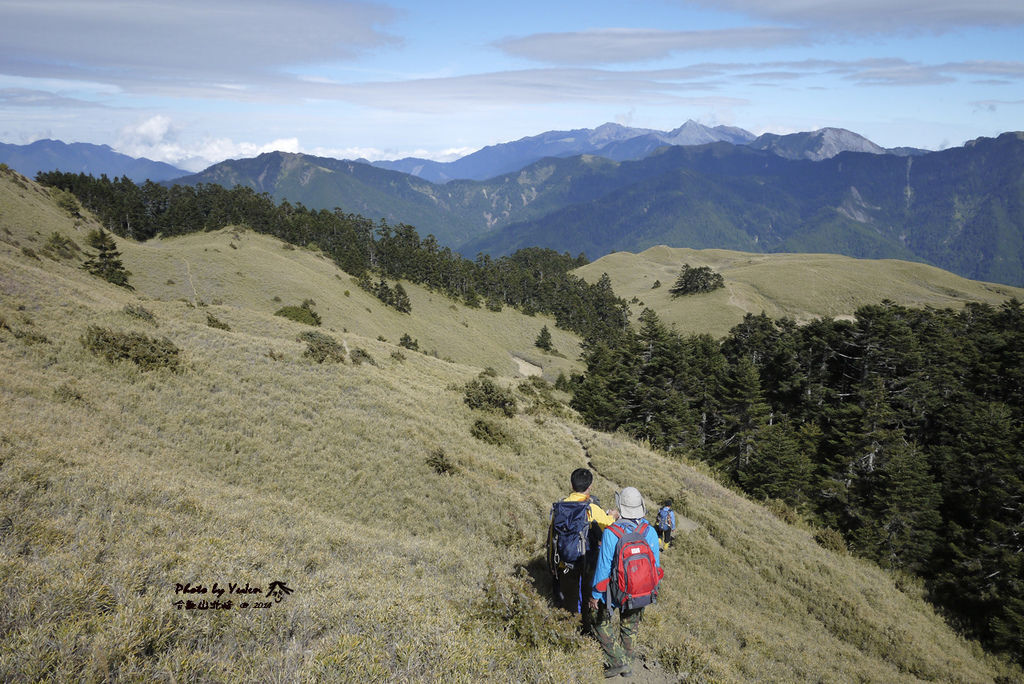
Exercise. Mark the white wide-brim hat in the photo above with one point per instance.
(630, 503)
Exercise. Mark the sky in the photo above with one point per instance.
(194, 82)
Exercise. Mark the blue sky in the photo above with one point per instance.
(193, 82)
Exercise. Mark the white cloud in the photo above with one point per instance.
(161, 139)
(614, 46)
(878, 16)
(149, 45)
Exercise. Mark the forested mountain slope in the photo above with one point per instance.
(960, 209)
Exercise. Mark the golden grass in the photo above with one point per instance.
(800, 286)
(254, 465)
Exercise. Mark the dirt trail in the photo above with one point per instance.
(526, 368)
(643, 671)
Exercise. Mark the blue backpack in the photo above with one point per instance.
(664, 519)
(570, 528)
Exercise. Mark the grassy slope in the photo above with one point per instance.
(117, 484)
(800, 286)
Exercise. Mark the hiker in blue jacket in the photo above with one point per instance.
(618, 649)
(666, 522)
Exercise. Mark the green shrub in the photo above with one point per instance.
(831, 539)
(67, 201)
(409, 343)
(783, 511)
(491, 432)
(215, 322)
(61, 246)
(483, 394)
(148, 353)
(321, 347)
(303, 313)
(360, 355)
(441, 463)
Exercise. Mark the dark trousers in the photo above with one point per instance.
(574, 590)
(666, 536)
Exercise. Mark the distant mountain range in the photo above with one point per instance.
(51, 155)
(831, 190)
(621, 143)
(961, 209)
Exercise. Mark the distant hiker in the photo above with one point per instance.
(627, 576)
(666, 522)
(573, 539)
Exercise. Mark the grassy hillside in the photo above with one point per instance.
(253, 464)
(800, 286)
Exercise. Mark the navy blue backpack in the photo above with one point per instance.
(570, 527)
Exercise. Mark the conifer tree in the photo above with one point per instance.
(543, 340)
(745, 413)
(909, 510)
(106, 263)
(780, 469)
(400, 300)
(658, 410)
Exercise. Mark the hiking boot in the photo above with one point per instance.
(617, 670)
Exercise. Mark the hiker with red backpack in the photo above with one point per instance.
(574, 535)
(627, 576)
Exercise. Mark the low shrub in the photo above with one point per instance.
(409, 343)
(783, 511)
(29, 336)
(322, 348)
(441, 463)
(511, 605)
(831, 539)
(215, 322)
(303, 313)
(491, 432)
(61, 246)
(148, 353)
(484, 394)
(360, 355)
(140, 312)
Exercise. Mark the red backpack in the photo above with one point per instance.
(634, 576)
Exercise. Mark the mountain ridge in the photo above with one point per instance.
(623, 143)
(50, 155)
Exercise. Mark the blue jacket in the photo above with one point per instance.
(671, 517)
(608, 543)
